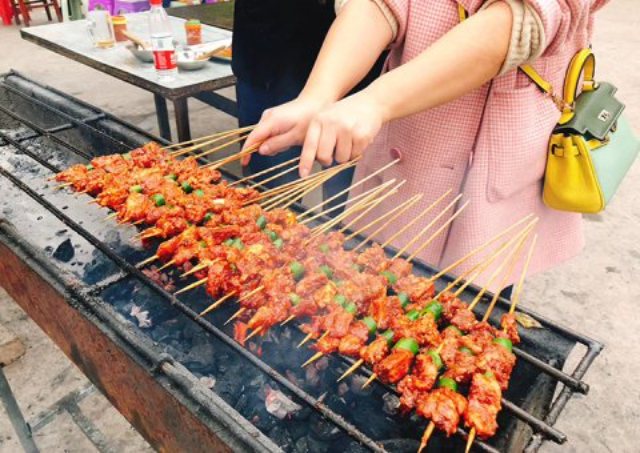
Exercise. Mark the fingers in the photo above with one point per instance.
(310, 148)
(344, 146)
(326, 145)
(273, 145)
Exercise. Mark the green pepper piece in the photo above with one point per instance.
(388, 334)
(339, 283)
(90, 167)
(295, 299)
(404, 299)
(187, 187)
(228, 242)
(351, 308)
(460, 332)
(413, 315)
(435, 358)
(324, 248)
(466, 350)
(297, 270)
(340, 299)
(326, 270)
(126, 156)
(278, 243)
(356, 267)
(203, 244)
(135, 189)
(159, 199)
(171, 177)
(434, 309)
(505, 342)
(408, 344)
(262, 222)
(237, 243)
(449, 383)
(371, 324)
(272, 235)
(199, 193)
(390, 276)
(208, 216)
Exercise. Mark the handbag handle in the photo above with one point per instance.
(583, 65)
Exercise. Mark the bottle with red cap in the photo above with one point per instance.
(161, 33)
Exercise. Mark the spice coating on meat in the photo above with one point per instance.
(484, 404)
(394, 367)
(510, 327)
(443, 407)
(421, 380)
(375, 351)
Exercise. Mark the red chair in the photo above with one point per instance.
(22, 8)
(6, 12)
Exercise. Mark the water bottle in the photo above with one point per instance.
(164, 52)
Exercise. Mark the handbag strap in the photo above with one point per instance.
(566, 107)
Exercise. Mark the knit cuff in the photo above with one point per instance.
(528, 39)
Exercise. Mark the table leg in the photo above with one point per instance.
(15, 416)
(163, 116)
(181, 110)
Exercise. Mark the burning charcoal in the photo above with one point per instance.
(322, 364)
(223, 366)
(401, 445)
(325, 430)
(391, 403)
(64, 252)
(343, 388)
(356, 382)
(310, 445)
(312, 376)
(282, 438)
(142, 316)
(278, 404)
(355, 447)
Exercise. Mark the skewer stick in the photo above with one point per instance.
(268, 170)
(516, 295)
(167, 264)
(192, 286)
(219, 163)
(417, 218)
(351, 369)
(352, 186)
(196, 268)
(62, 186)
(110, 216)
(235, 315)
(480, 267)
(296, 193)
(253, 334)
(289, 319)
(216, 304)
(325, 212)
(398, 210)
(221, 147)
(147, 261)
(199, 141)
(373, 377)
(487, 244)
(472, 436)
(246, 296)
(307, 190)
(374, 205)
(316, 356)
(438, 232)
(305, 340)
(496, 273)
(429, 225)
(505, 278)
(426, 436)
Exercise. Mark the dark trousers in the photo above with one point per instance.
(254, 99)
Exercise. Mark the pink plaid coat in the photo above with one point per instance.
(490, 145)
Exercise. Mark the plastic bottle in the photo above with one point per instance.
(161, 33)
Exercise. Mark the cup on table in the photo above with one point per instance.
(100, 29)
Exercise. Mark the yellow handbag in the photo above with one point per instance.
(592, 146)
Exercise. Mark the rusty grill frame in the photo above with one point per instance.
(542, 429)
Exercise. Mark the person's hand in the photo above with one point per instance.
(282, 127)
(347, 128)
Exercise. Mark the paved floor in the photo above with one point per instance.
(594, 293)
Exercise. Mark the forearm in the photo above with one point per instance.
(462, 60)
(356, 39)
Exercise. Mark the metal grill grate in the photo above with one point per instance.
(73, 129)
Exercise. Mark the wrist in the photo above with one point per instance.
(380, 100)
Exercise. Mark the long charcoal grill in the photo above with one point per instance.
(73, 274)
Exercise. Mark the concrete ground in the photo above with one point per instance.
(594, 293)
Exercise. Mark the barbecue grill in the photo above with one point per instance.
(182, 381)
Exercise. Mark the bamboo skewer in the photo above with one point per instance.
(470, 439)
(253, 334)
(417, 218)
(192, 286)
(505, 278)
(264, 172)
(201, 145)
(516, 295)
(221, 147)
(373, 205)
(496, 273)
(398, 211)
(296, 193)
(316, 356)
(196, 143)
(351, 369)
(245, 297)
(426, 436)
(235, 315)
(147, 261)
(429, 225)
(167, 264)
(222, 162)
(196, 268)
(216, 304)
(480, 248)
(309, 190)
